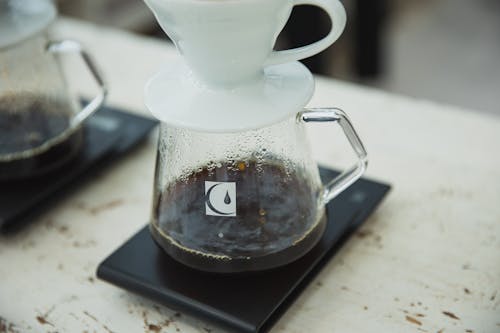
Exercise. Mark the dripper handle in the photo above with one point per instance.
(337, 14)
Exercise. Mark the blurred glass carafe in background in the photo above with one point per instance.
(236, 188)
(40, 124)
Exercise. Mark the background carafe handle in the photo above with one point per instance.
(70, 46)
(349, 176)
(337, 15)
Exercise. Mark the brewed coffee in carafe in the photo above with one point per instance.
(261, 224)
(28, 120)
(236, 188)
(27, 123)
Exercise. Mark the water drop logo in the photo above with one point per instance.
(220, 198)
(227, 198)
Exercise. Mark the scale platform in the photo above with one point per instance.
(243, 302)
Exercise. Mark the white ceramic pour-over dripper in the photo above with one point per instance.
(230, 41)
(232, 79)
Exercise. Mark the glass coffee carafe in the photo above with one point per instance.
(40, 122)
(248, 200)
(236, 188)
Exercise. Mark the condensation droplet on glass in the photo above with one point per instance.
(221, 235)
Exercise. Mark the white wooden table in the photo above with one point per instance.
(427, 261)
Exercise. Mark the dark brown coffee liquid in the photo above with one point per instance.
(268, 218)
(27, 122)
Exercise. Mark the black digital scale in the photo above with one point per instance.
(240, 302)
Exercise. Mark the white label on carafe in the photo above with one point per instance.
(220, 198)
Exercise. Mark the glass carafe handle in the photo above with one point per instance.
(349, 176)
(70, 46)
